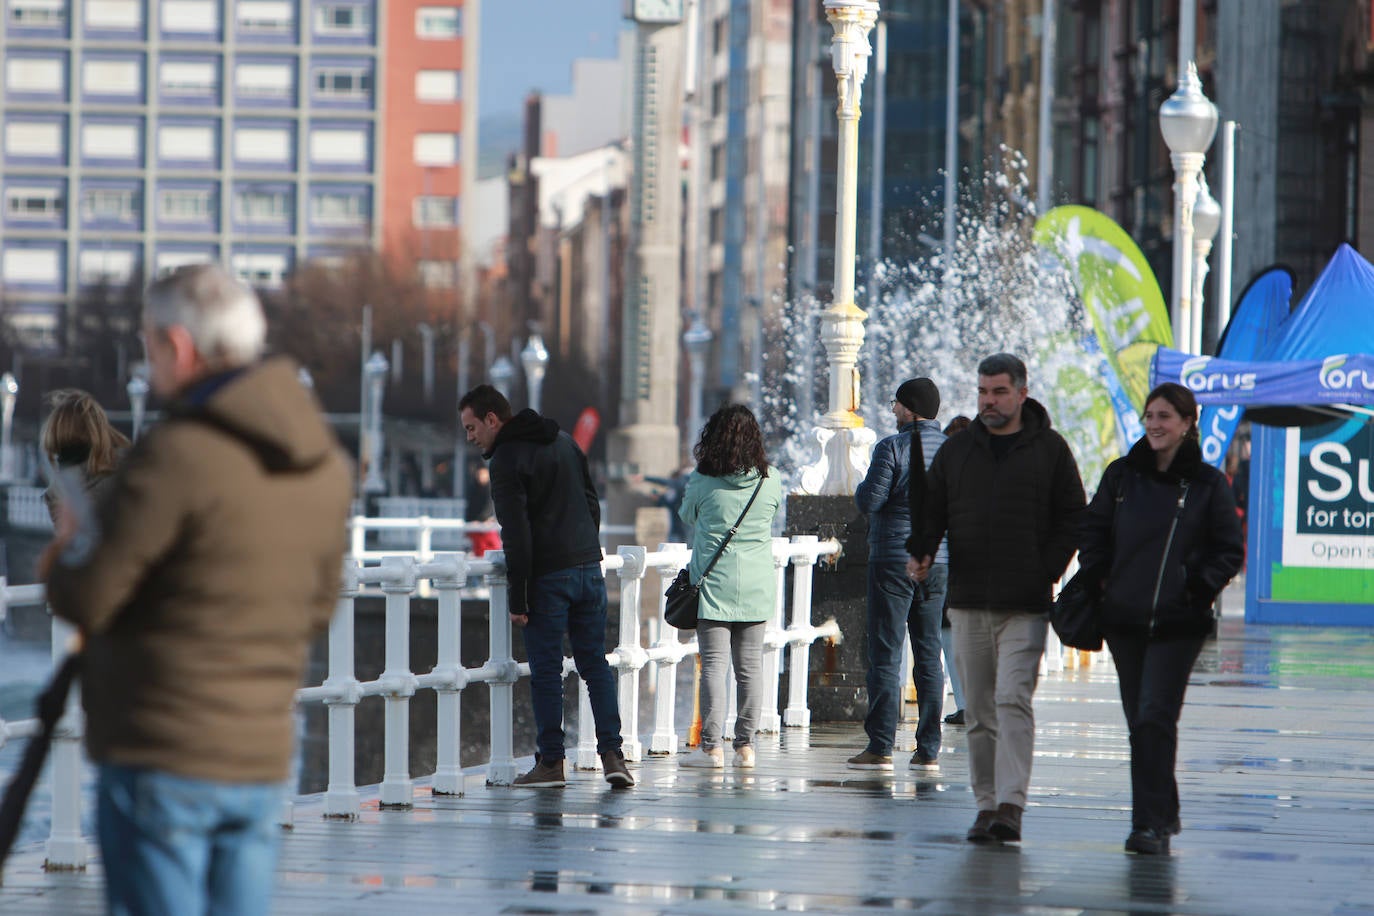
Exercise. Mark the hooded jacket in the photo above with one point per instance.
(882, 494)
(1012, 523)
(219, 559)
(742, 586)
(545, 501)
(1160, 573)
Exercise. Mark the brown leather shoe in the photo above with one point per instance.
(543, 775)
(1006, 826)
(979, 832)
(617, 774)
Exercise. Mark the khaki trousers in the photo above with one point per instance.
(999, 660)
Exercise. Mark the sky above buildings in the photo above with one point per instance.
(531, 44)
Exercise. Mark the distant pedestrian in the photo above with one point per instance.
(956, 684)
(216, 561)
(481, 509)
(739, 596)
(1163, 536)
(1008, 493)
(897, 606)
(550, 520)
(77, 434)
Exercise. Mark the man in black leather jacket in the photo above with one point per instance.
(550, 521)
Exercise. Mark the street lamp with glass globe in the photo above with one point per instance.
(137, 387)
(535, 359)
(376, 369)
(501, 373)
(1206, 222)
(9, 394)
(1188, 121)
(696, 339)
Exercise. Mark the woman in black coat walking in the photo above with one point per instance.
(1163, 535)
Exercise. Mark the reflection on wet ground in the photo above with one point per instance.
(1274, 774)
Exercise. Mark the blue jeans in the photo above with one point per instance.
(175, 845)
(571, 601)
(897, 609)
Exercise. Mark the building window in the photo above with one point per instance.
(185, 205)
(33, 203)
(112, 77)
(260, 269)
(264, 81)
(262, 144)
(37, 75)
(266, 17)
(109, 204)
(436, 212)
(339, 147)
(437, 273)
(100, 265)
(336, 83)
(436, 149)
(38, 13)
(262, 206)
(437, 86)
(188, 77)
(33, 138)
(109, 141)
(443, 22)
(121, 15)
(168, 261)
(186, 144)
(196, 16)
(37, 266)
(343, 20)
(338, 208)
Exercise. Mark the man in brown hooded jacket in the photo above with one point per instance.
(216, 560)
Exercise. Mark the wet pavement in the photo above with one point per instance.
(1275, 774)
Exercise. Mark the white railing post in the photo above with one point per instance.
(398, 584)
(775, 640)
(357, 532)
(584, 755)
(448, 772)
(798, 714)
(630, 656)
(501, 767)
(341, 796)
(425, 543)
(663, 739)
(67, 849)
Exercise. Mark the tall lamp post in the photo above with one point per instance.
(845, 441)
(1206, 222)
(9, 393)
(376, 369)
(501, 373)
(535, 359)
(696, 340)
(137, 388)
(1188, 121)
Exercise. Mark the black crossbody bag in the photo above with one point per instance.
(684, 596)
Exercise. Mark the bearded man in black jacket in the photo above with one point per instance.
(550, 520)
(1008, 493)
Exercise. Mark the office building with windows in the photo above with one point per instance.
(140, 135)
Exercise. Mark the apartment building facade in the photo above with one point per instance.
(140, 135)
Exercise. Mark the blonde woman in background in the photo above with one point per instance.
(77, 434)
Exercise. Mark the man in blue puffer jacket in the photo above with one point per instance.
(896, 604)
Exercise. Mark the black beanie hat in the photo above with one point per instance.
(920, 396)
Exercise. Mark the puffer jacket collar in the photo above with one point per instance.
(1185, 466)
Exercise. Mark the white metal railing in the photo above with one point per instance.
(427, 535)
(400, 579)
(26, 508)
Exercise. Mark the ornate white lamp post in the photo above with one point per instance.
(9, 393)
(1188, 121)
(376, 369)
(696, 340)
(845, 441)
(501, 373)
(1206, 222)
(137, 388)
(535, 359)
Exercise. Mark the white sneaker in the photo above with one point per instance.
(714, 759)
(744, 758)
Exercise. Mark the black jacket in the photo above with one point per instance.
(1126, 532)
(1012, 523)
(545, 502)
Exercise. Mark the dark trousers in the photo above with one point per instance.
(571, 601)
(896, 609)
(1154, 677)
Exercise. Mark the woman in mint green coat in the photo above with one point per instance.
(738, 596)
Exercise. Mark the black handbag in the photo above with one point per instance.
(684, 596)
(1076, 615)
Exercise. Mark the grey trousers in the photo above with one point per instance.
(741, 643)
